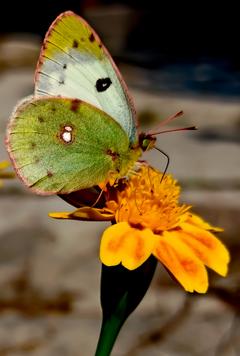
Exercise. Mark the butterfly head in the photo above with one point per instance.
(146, 141)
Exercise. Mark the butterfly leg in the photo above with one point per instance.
(168, 161)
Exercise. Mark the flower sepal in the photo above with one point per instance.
(121, 292)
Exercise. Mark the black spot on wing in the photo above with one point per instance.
(75, 44)
(112, 154)
(40, 119)
(64, 66)
(75, 105)
(103, 84)
(91, 38)
(49, 174)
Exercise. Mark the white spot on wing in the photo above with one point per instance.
(68, 128)
(66, 134)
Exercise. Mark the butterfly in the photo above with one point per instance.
(79, 129)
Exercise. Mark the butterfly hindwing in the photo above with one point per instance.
(74, 63)
(60, 145)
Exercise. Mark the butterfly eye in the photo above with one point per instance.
(103, 84)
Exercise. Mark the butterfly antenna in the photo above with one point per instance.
(190, 128)
(166, 121)
(167, 164)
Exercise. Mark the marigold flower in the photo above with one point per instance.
(151, 221)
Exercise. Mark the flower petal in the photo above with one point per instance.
(85, 213)
(3, 174)
(207, 247)
(122, 243)
(199, 222)
(4, 164)
(181, 262)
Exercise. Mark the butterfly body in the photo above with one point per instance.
(79, 129)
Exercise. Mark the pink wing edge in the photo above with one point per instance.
(97, 38)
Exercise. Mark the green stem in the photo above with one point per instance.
(109, 332)
(121, 292)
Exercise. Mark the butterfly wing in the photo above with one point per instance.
(74, 63)
(60, 145)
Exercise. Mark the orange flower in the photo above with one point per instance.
(150, 221)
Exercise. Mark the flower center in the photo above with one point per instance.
(149, 201)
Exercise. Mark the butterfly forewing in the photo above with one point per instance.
(74, 63)
(61, 145)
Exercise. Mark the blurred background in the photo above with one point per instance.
(173, 57)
